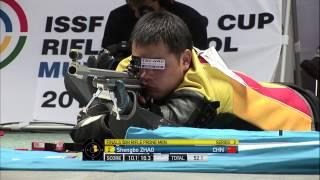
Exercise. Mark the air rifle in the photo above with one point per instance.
(105, 82)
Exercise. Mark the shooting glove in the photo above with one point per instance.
(124, 102)
(93, 124)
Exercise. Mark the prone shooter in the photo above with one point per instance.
(183, 86)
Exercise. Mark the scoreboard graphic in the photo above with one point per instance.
(160, 150)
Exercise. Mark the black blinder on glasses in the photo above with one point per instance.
(138, 63)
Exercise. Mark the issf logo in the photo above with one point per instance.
(14, 24)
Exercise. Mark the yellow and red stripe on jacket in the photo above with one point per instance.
(266, 105)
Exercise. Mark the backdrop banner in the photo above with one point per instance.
(35, 43)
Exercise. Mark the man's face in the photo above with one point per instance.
(160, 83)
(146, 6)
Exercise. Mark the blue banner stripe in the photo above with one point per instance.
(171, 149)
(6, 20)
